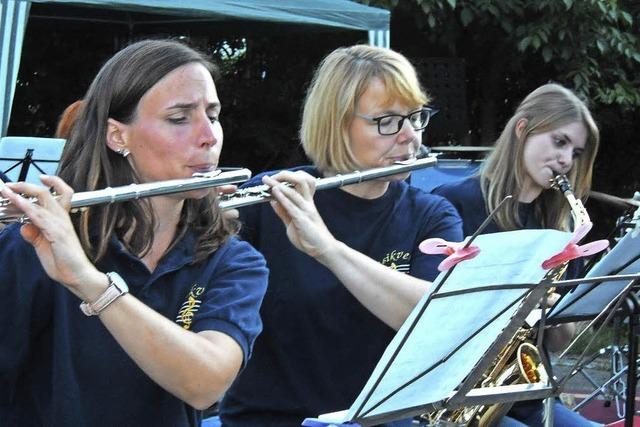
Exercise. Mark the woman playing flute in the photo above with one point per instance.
(139, 313)
(337, 291)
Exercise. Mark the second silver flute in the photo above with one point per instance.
(261, 193)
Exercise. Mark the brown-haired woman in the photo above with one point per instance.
(169, 345)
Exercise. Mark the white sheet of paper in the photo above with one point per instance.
(446, 323)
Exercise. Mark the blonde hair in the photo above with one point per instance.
(547, 108)
(339, 82)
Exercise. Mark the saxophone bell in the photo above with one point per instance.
(530, 364)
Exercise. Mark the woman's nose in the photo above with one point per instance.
(565, 158)
(407, 133)
(210, 132)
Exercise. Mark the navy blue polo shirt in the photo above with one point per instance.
(466, 196)
(320, 345)
(61, 368)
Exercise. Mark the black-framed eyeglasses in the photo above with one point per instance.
(390, 124)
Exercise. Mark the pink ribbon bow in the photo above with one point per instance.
(456, 251)
(573, 250)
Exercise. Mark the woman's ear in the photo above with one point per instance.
(116, 137)
(521, 125)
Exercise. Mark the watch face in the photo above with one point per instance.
(118, 282)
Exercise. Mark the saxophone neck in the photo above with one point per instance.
(578, 212)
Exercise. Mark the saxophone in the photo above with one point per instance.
(520, 361)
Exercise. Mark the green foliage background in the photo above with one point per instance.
(512, 46)
(508, 48)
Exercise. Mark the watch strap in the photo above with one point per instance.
(117, 288)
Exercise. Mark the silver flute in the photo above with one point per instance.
(82, 200)
(262, 193)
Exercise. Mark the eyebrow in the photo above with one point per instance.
(565, 136)
(192, 105)
(396, 113)
(575, 149)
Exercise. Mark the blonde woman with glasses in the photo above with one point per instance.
(336, 292)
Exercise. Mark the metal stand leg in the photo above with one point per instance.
(632, 305)
(548, 411)
(26, 162)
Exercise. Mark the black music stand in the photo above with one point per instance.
(590, 301)
(456, 332)
(19, 154)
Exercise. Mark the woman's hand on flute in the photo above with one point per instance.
(297, 210)
(51, 232)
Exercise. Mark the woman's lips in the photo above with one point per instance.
(401, 158)
(203, 168)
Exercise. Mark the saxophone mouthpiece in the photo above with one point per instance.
(560, 182)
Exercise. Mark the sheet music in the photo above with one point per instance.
(588, 300)
(428, 368)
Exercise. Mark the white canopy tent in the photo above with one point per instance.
(343, 14)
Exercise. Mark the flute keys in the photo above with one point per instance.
(9, 213)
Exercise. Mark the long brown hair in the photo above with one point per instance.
(88, 164)
(547, 108)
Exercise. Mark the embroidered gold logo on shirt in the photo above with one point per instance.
(398, 260)
(189, 307)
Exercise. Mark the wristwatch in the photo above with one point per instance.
(117, 288)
